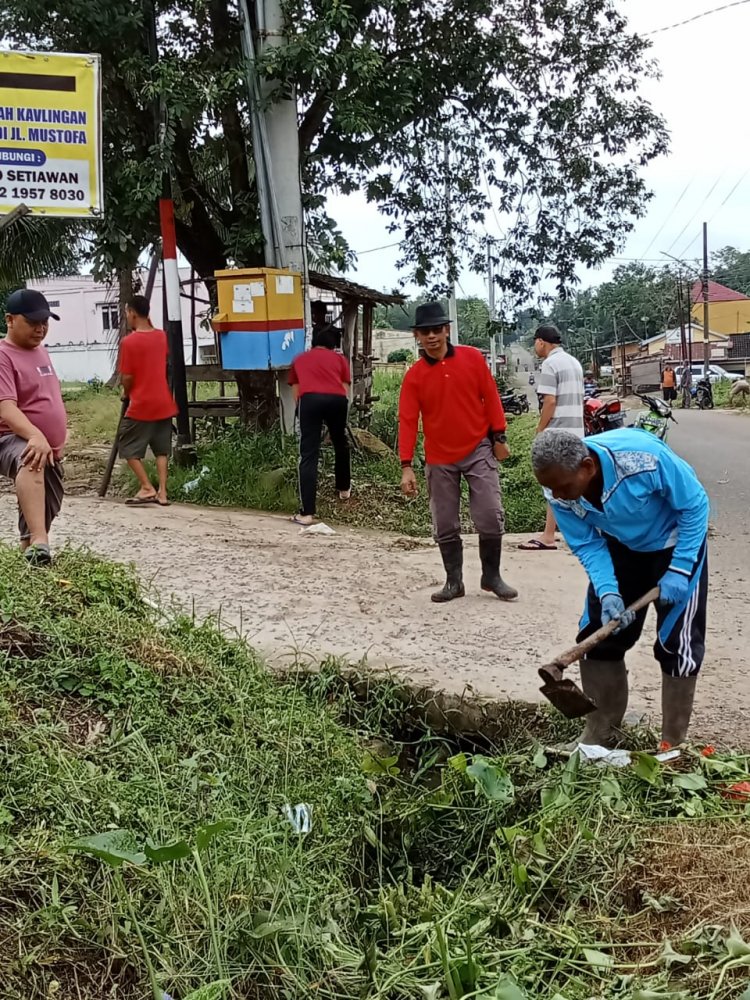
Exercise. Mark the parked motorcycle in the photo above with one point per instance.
(600, 416)
(515, 402)
(531, 379)
(656, 419)
(703, 394)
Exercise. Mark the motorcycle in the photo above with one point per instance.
(703, 394)
(656, 419)
(600, 416)
(515, 402)
(531, 379)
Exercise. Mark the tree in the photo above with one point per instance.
(537, 107)
(400, 356)
(731, 267)
(31, 246)
(637, 303)
(473, 322)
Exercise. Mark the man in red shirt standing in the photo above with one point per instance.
(148, 419)
(464, 435)
(33, 422)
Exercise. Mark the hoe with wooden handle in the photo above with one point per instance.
(564, 693)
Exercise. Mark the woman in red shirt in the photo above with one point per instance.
(320, 379)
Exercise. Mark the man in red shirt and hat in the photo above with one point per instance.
(463, 422)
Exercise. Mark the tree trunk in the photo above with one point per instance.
(259, 407)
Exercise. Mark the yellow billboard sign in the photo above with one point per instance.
(50, 133)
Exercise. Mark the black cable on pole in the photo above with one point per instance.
(696, 17)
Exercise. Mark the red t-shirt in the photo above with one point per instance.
(143, 354)
(459, 404)
(320, 370)
(28, 379)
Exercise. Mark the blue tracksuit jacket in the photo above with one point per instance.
(652, 500)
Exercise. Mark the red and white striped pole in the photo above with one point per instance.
(184, 452)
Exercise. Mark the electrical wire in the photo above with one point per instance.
(698, 209)
(659, 231)
(716, 212)
(386, 246)
(696, 17)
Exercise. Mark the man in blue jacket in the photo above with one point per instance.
(636, 516)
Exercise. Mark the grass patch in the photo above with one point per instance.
(721, 391)
(93, 413)
(436, 867)
(259, 471)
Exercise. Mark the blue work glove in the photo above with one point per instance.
(673, 587)
(613, 607)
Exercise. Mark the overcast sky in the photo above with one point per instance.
(702, 94)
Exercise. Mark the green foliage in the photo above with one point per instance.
(148, 823)
(196, 733)
(33, 246)
(259, 471)
(548, 130)
(400, 355)
(731, 267)
(638, 302)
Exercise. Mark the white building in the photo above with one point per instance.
(82, 343)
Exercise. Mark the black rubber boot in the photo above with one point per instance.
(606, 683)
(490, 550)
(677, 694)
(453, 560)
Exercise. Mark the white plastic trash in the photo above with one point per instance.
(299, 817)
(191, 484)
(317, 529)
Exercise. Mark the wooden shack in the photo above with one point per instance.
(353, 307)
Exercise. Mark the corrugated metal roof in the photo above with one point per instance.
(351, 290)
(716, 293)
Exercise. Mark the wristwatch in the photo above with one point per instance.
(498, 437)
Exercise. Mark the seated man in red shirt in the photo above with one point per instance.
(33, 422)
(148, 419)
(320, 380)
(464, 435)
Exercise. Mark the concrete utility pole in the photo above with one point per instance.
(491, 308)
(706, 344)
(452, 307)
(276, 153)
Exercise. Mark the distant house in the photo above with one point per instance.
(728, 311)
(82, 343)
(386, 341)
(668, 344)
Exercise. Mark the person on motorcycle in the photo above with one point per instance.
(561, 393)
(635, 516)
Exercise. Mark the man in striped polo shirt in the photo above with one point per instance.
(560, 390)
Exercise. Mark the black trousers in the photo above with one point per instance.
(316, 409)
(680, 628)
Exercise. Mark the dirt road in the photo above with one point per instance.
(367, 597)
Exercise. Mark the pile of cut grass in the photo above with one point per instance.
(152, 776)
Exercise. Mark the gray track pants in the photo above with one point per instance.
(479, 469)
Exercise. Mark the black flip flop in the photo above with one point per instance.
(140, 501)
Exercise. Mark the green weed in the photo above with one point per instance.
(151, 768)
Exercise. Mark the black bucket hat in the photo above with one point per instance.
(430, 314)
